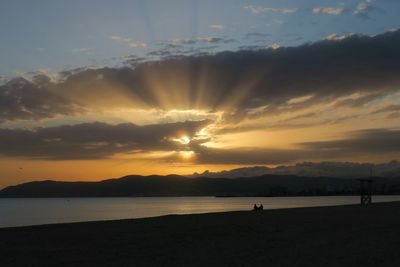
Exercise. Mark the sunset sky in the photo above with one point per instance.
(94, 89)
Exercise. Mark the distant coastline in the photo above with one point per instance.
(175, 185)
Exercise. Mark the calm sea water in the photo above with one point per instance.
(33, 211)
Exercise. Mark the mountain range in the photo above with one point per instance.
(311, 169)
(174, 185)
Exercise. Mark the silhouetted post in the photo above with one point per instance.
(365, 191)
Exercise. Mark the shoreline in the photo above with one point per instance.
(178, 214)
(23, 220)
(88, 197)
(347, 235)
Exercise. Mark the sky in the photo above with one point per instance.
(95, 89)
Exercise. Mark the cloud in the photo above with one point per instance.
(184, 41)
(361, 101)
(234, 82)
(282, 125)
(94, 140)
(246, 156)
(251, 47)
(209, 39)
(335, 37)
(328, 10)
(389, 108)
(285, 124)
(258, 9)
(137, 44)
(173, 46)
(177, 48)
(121, 39)
(394, 115)
(133, 60)
(21, 99)
(370, 141)
(219, 27)
(160, 53)
(44, 71)
(364, 8)
(357, 143)
(273, 46)
(302, 116)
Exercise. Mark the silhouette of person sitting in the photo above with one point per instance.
(261, 207)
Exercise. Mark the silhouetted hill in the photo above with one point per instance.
(175, 185)
(313, 169)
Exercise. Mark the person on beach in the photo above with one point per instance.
(261, 207)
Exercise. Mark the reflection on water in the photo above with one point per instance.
(31, 211)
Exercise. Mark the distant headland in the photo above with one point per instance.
(175, 185)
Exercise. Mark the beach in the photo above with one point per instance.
(351, 235)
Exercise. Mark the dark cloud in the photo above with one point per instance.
(177, 50)
(238, 82)
(133, 60)
(286, 124)
(94, 140)
(273, 127)
(255, 156)
(364, 142)
(388, 108)
(393, 115)
(250, 79)
(32, 100)
(303, 116)
(362, 101)
(251, 47)
(247, 156)
(100, 140)
(381, 141)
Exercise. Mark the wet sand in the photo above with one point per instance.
(327, 236)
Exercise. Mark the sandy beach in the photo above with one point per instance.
(327, 236)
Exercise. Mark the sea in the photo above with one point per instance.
(37, 211)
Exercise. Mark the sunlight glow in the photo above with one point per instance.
(185, 140)
(187, 155)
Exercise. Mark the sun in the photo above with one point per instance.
(185, 140)
(182, 140)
